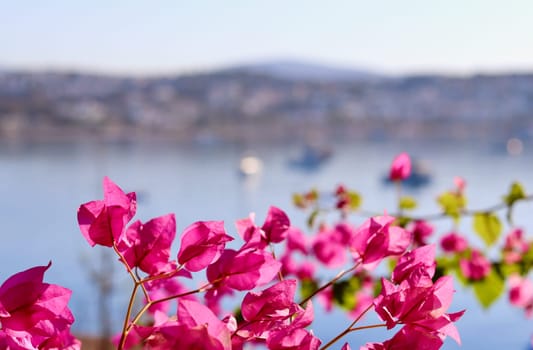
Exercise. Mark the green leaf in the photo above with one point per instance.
(344, 293)
(312, 217)
(407, 203)
(516, 193)
(298, 200)
(488, 227)
(489, 289)
(402, 221)
(355, 200)
(307, 287)
(452, 204)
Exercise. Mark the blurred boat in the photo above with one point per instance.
(420, 175)
(311, 157)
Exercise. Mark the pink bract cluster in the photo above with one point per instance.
(268, 312)
(35, 315)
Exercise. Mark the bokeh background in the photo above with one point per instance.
(213, 110)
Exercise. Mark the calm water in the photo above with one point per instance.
(41, 187)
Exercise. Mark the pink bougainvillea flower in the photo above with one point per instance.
(329, 247)
(515, 246)
(194, 314)
(475, 268)
(274, 229)
(276, 225)
(202, 244)
(346, 346)
(521, 293)
(296, 240)
(421, 231)
(460, 184)
(306, 270)
(33, 312)
(244, 269)
(292, 339)
(147, 245)
(196, 328)
(409, 337)
(268, 309)
(421, 307)
(400, 168)
(63, 340)
(417, 267)
(376, 239)
(293, 336)
(103, 221)
(453, 243)
(273, 303)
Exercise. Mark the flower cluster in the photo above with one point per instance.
(413, 300)
(270, 316)
(268, 312)
(34, 314)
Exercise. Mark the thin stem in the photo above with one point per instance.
(125, 327)
(162, 276)
(335, 279)
(153, 302)
(368, 327)
(361, 315)
(123, 259)
(348, 330)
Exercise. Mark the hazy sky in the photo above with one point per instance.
(150, 36)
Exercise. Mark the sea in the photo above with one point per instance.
(42, 185)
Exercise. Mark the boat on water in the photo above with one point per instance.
(420, 175)
(311, 157)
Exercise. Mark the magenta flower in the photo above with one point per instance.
(194, 315)
(34, 314)
(453, 243)
(521, 293)
(147, 246)
(294, 336)
(296, 240)
(416, 267)
(274, 229)
(421, 231)
(292, 339)
(103, 221)
(515, 246)
(244, 269)
(276, 225)
(202, 244)
(416, 302)
(475, 268)
(329, 247)
(273, 303)
(196, 328)
(268, 309)
(400, 168)
(409, 337)
(376, 239)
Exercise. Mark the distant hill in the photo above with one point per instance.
(307, 71)
(280, 100)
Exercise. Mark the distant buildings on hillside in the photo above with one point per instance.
(228, 104)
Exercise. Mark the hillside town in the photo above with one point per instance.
(233, 104)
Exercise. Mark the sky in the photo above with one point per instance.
(160, 37)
